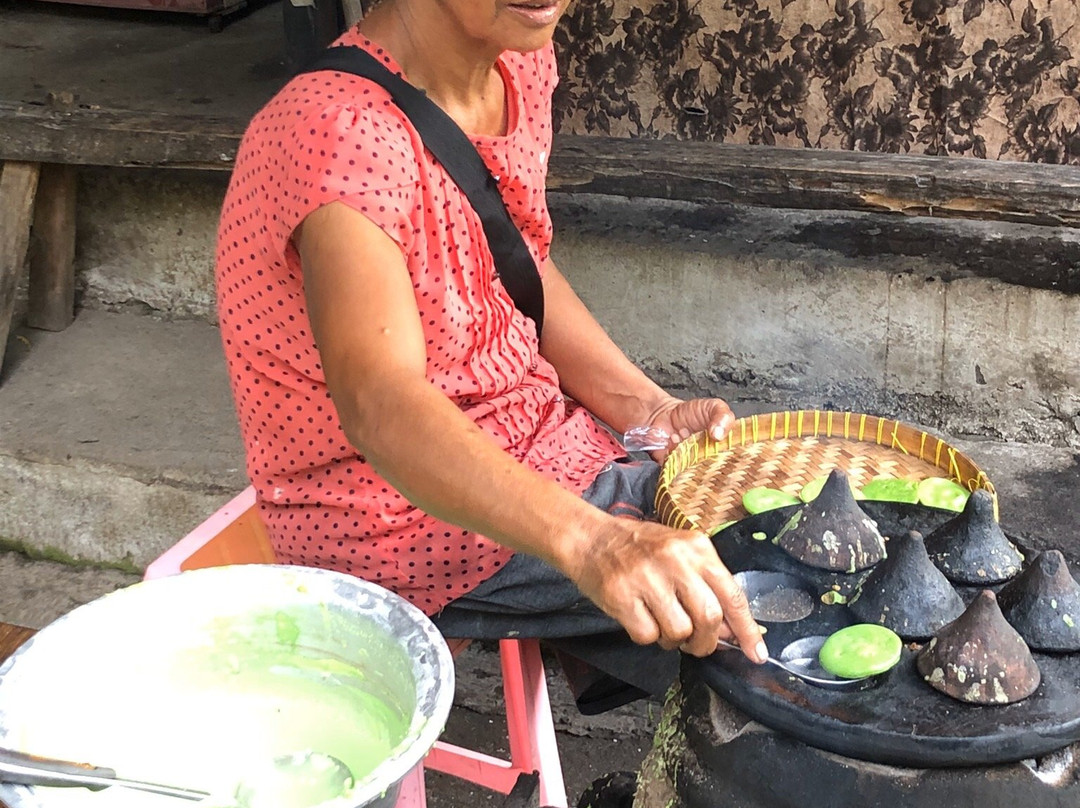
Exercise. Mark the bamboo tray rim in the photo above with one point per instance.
(853, 427)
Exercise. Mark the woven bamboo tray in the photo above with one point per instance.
(703, 480)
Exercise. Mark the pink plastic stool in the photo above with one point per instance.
(236, 535)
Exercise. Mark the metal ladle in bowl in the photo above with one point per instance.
(30, 770)
(298, 779)
(304, 778)
(800, 659)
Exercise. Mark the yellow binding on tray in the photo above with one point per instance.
(703, 480)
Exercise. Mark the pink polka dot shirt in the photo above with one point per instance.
(329, 137)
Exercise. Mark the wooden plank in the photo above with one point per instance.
(103, 137)
(18, 183)
(711, 173)
(11, 637)
(953, 187)
(52, 250)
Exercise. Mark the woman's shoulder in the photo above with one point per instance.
(330, 109)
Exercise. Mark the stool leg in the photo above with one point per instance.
(531, 730)
(412, 793)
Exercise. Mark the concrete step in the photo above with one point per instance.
(117, 436)
(965, 325)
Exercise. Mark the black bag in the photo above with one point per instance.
(456, 153)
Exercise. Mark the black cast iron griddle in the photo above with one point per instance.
(901, 720)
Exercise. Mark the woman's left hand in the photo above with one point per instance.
(681, 419)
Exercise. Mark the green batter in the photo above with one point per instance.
(253, 722)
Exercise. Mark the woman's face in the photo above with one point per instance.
(521, 25)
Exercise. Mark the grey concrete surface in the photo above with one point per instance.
(746, 304)
(117, 436)
(33, 593)
(57, 48)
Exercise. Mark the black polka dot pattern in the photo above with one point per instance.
(335, 137)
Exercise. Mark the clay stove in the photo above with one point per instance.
(735, 735)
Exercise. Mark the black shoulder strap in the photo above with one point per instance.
(456, 153)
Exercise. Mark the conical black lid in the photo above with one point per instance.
(906, 592)
(979, 658)
(1043, 604)
(971, 548)
(832, 532)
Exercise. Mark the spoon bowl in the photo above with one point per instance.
(800, 659)
(301, 779)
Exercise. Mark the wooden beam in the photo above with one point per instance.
(952, 187)
(52, 250)
(18, 183)
(104, 137)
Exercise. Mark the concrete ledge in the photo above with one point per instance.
(1034, 256)
(117, 437)
(88, 513)
(953, 324)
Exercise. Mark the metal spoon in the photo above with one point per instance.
(301, 778)
(800, 659)
(29, 770)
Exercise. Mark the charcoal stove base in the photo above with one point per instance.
(708, 754)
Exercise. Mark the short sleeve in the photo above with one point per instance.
(357, 153)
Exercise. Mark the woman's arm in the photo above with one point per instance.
(660, 584)
(365, 321)
(592, 369)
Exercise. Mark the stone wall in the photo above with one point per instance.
(904, 317)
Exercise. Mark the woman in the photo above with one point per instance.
(427, 438)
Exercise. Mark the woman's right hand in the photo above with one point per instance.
(665, 585)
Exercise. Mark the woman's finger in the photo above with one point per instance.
(675, 625)
(737, 613)
(640, 625)
(722, 421)
(701, 604)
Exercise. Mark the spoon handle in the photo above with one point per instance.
(736, 647)
(29, 770)
(24, 769)
(771, 660)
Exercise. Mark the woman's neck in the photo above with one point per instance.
(436, 55)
